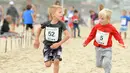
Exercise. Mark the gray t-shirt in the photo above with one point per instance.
(12, 11)
(53, 32)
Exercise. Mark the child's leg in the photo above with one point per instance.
(125, 32)
(57, 58)
(56, 65)
(32, 29)
(120, 33)
(125, 35)
(48, 63)
(121, 30)
(78, 30)
(107, 60)
(27, 27)
(47, 57)
(74, 31)
(99, 57)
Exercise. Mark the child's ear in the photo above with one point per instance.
(53, 15)
(108, 17)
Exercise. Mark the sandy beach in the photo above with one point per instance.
(76, 59)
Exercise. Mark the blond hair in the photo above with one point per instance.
(101, 6)
(124, 11)
(105, 13)
(52, 10)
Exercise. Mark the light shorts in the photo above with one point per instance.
(123, 28)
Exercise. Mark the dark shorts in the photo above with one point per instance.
(52, 54)
(29, 26)
(76, 25)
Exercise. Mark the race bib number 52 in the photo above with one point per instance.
(102, 37)
(52, 34)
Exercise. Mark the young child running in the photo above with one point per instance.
(124, 23)
(102, 34)
(75, 20)
(53, 37)
(28, 17)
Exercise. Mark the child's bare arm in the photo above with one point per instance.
(67, 36)
(38, 33)
(37, 43)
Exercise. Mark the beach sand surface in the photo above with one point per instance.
(76, 58)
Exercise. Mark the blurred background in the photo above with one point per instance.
(82, 5)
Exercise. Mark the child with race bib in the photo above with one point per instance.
(124, 23)
(75, 19)
(102, 34)
(53, 37)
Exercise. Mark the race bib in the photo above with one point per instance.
(102, 37)
(70, 15)
(123, 21)
(75, 21)
(52, 34)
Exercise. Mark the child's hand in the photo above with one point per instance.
(123, 46)
(36, 44)
(55, 46)
(84, 45)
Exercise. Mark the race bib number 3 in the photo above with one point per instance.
(102, 37)
(123, 21)
(52, 34)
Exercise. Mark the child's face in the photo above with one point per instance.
(103, 20)
(92, 13)
(123, 12)
(9, 19)
(76, 14)
(71, 8)
(58, 14)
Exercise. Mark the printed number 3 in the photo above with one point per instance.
(51, 33)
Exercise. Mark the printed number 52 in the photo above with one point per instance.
(51, 33)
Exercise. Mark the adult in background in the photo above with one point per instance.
(5, 27)
(34, 8)
(100, 7)
(12, 11)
